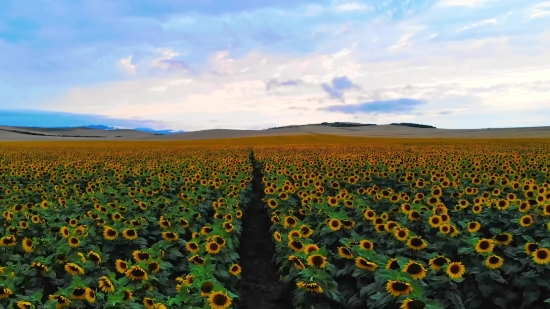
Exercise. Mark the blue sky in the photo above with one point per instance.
(191, 65)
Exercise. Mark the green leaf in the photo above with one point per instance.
(454, 297)
(529, 296)
(369, 289)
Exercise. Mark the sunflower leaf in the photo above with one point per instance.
(454, 296)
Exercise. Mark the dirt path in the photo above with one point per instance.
(259, 286)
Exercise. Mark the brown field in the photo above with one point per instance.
(304, 133)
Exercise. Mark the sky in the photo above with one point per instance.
(254, 64)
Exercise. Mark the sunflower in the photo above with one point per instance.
(369, 214)
(277, 236)
(164, 224)
(526, 220)
(416, 243)
(148, 303)
(414, 215)
(484, 245)
(455, 270)
(192, 247)
(74, 269)
(477, 209)
(5, 292)
(290, 222)
(435, 221)
(503, 239)
(136, 273)
(363, 263)
(412, 304)
(525, 206)
(541, 256)
(197, 260)
(345, 253)
(311, 248)
(130, 234)
(293, 234)
(127, 295)
(474, 226)
(73, 242)
(121, 266)
(105, 285)
(153, 267)
(40, 267)
(24, 304)
(79, 293)
(235, 269)
(348, 224)
(530, 247)
(170, 236)
(23, 225)
(305, 231)
(219, 300)
(438, 262)
(296, 245)
(217, 239)
(27, 244)
(188, 280)
(64, 231)
(205, 230)
(502, 204)
(494, 261)
(298, 264)
(397, 288)
(379, 228)
(61, 301)
(8, 241)
(312, 287)
(401, 234)
(141, 256)
(317, 261)
(417, 271)
(184, 223)
(392, 264)
(94, 257)
(213, 248)
(109, 233)
(228, 227)
(334, 224)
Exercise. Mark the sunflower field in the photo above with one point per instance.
(411, 226)
(121, 225)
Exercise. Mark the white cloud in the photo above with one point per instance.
(492, 21)
(336, 7)
(127, 66)
(465, 83)
(352, 6)
(457, 80)
(403, 42)
(470, 3)
(175, 82)
(541, 10)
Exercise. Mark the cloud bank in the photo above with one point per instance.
(258, 64)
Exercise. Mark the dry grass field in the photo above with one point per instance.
(385, 131)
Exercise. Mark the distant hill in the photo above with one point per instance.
(148, 130)
(414, 125)
(330, 124)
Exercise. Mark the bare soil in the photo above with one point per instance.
(259, 286)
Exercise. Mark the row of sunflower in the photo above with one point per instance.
(414, 226)
(121, 225)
